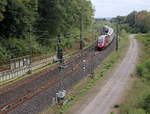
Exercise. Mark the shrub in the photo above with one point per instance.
(146, 104)
(147, 63)
(136, 111)
(3, 54)
(116, 106)
(141, 70)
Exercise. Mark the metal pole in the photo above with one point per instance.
(30, 45)
(135, 21)
(117, 36)
(61, 76)
(59, 50)
(60, 58)
(81, 28)
(93, 50)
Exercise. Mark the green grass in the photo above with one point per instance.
(82, 90)
(137, 100)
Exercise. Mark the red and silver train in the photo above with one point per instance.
(106, 39)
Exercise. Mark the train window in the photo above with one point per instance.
(100, 41)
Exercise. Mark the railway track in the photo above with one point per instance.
(12, 99)
(32, 92)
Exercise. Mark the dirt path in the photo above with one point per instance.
(113, 89)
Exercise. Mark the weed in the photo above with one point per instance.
(116, 106)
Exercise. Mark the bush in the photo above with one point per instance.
(141, 70)
(3, 54)
(123, 33)
(126, 27)
(148, 65)
(144, 69)
(116, 106)
(15, 47)
(146, 104)
(136, 111)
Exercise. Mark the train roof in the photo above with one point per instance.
(102, 36)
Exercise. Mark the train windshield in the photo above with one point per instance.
(100, 41)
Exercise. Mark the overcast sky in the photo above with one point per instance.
(113, 8)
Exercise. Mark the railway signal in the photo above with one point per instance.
(60, 95)
(59, 50)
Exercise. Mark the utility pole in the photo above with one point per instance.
(81, 27)
(135, 14)
(59, 50)
(30, 46)
(117, 35)
(93, 50)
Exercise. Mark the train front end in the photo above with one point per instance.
(101, 42)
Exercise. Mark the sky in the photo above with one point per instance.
(113, 8)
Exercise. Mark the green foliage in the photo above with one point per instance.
(130, 19)
(136, 111)
(17, 19)
(12, 48)
(141, 70)
(112, 113)
(61, 15)
(146, 104)
(17, 46)
(126, 27)
(41, 19)
(123, 33)
(2, 8)
(3, 54)
(137, 21)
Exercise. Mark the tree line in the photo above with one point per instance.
(135, 22)
(21, 19)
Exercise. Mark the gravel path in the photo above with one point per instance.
(114, 88)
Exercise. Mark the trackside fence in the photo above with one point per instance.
(18, 69)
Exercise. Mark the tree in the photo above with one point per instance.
(60, 15)
(17, 19)
(3, 3)
(142, 21)
(131, 18)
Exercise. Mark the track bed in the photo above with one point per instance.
(31, 95)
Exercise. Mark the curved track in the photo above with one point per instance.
(114, 88)
(35, 93)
